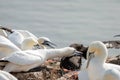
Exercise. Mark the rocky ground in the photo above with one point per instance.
(51, 71)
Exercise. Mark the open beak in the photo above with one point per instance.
(117, 35)
(91, 55)
(77, 53)
(49, 44)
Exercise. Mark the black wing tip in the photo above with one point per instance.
(6, 29)
(4, 61)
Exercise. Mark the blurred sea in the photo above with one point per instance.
(64, 21)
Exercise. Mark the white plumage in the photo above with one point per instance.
(83, 74)
(7, 47)
(26, 40)
(28, 36)
(26, 60)
(96, 67)
(6, 76)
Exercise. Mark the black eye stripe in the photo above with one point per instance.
(91, 53)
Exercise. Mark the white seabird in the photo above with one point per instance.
(96, 67)
(6, 76)
(26, 40)
(7, 47)
(26, 60)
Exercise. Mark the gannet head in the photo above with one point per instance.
(96, 50)
(29, 43)
(44, 41)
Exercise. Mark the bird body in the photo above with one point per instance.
(83, 75)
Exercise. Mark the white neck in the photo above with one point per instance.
(97, 63)
(52, 53)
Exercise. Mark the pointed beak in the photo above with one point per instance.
(91, 55)
(117, 35)
(77, 53)
(49, 44)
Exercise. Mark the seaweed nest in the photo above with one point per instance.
(49, 71)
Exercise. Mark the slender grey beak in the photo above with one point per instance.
(77, 53)
(90, 56)
(116, 35)
(50, 44)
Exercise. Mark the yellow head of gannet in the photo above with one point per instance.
(98, 50)
(29, 43)
(44, 41)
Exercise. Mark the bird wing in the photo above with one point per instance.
(16, 38)
(27, 34)
(3, 39)
(7, 47)
(23, 58)
(111, 74)
(4, 42)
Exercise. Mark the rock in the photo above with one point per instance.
(73, 75)
(39, 73)
(114, 60)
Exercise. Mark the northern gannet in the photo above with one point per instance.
(26, 40)
(97, 69)
(26, 60)
(76, 63)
